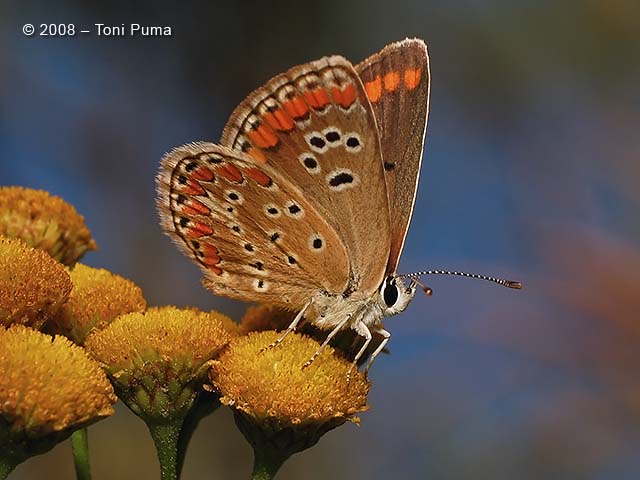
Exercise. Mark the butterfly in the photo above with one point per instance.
(306, 202)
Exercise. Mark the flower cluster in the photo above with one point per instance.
(73, 337)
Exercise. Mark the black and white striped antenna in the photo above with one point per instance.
(500, 281)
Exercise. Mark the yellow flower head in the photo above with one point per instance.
(45, 222)
(280, 407)
(97, 298)
(49, 387)
(232, 327)
(271, 384)
(158, 359)
(33, 285)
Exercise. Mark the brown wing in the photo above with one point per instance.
(255, 236)
(315, 126)
(397, 80)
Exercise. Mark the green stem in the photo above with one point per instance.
(80, 449)
(7, 464)
(166, 437)
(266, 463)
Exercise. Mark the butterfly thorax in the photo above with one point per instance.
(390, 299)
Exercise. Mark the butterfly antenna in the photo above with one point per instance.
(499, 281)
(427, 290)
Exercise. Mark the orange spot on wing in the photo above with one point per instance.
(374, 89)
(203, 173)
(391, 81)
(197, 229)
(268, 134)
(317, 98)
(230, 172)
(257, 155)
(210, 255)
(270, 119)
(196, 208)
(193, 188)
(210, 261)
(285, 120)
(279, 120)
(263, 137)
(296, 107)
(344, 97)
(412, 77)
(208, 249)
(189, 211)
(214, 269)
(256, 138)
(259, 177)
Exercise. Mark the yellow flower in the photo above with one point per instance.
(232, 327)
(158, 360)
(33, 285)
(98, 297)
(271, 385)
(45, 222)
(48, 388)
(279, 407)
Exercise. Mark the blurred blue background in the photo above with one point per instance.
(531, 172)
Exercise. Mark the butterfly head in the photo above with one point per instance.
(395, 295)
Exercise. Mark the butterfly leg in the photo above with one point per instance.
(291, 328)
(385, 338)
(362, 330)
(332, 334)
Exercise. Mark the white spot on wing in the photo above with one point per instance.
(234, 196)
(292, 209)
(275, 236)
(235, 228)
(316, 243)
(352, 142)
(271, 210)
(329, 133)
(312, 166)
(260, 285)
(342, 179)
(257, 268)
(316, 142)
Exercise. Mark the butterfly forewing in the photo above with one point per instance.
(255, 236)
(397, 83)
(315, 126)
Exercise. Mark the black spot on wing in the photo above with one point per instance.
(341, 178)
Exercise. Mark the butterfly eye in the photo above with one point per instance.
(390, 292)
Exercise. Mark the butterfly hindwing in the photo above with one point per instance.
(397, 82)
(315, 126)
(252, 233)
